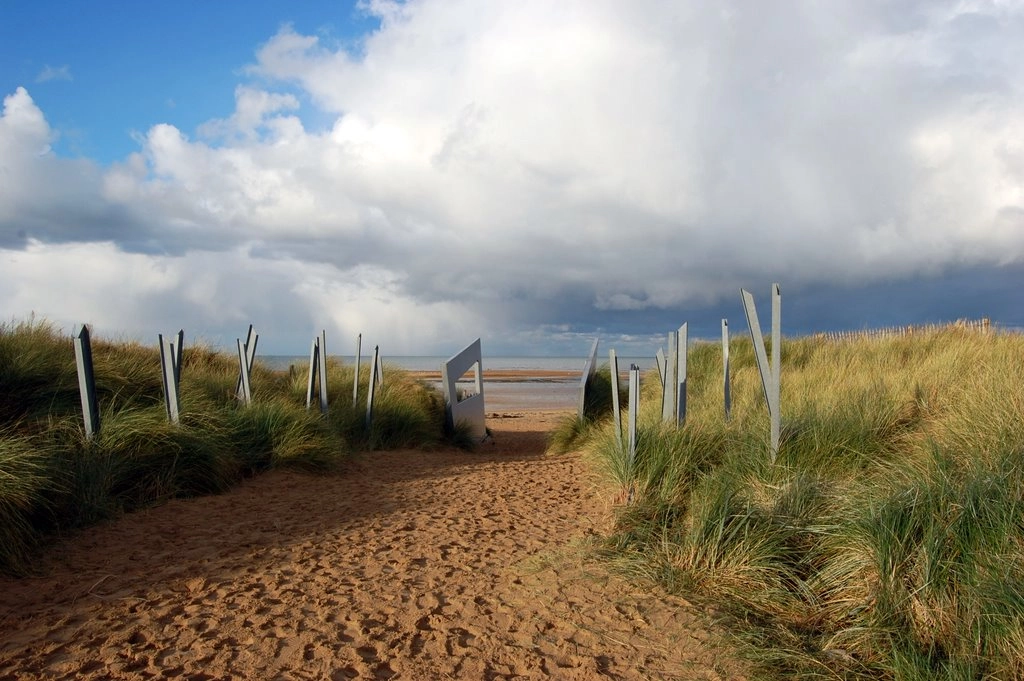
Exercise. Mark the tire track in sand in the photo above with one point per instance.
(409, 565)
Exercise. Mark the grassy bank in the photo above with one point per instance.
(53, 479)
(887, 541)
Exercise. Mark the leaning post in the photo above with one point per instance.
(355, 380)
(314, 364)
(613, 369)
(87, 382)
(769, 374)
(371, 395)
(776, 367)
(725, 368)
(589, 367)
(323, 372)
(244, 392)
(682, 341)
(251, 339)
(634, 409)
(170, 364)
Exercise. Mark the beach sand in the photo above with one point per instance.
(406, 565)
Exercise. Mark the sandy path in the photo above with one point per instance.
(409, 565)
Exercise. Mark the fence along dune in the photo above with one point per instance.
(983, 325)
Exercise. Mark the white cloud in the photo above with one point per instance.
(54, 73)
(41, 194)
(23, 128)
(215, 295)
(253, 113)
(587, 157)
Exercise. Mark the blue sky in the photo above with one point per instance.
(107, 70)
(529, 172)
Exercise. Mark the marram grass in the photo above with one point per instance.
(887, 539)
(53, 479)
(573, 431)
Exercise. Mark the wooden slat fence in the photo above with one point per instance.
(983, 325)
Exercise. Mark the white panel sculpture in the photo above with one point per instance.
(470, 410)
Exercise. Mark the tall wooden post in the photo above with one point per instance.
(87, 382)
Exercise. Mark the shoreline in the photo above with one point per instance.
(507, 376)
(519, 390)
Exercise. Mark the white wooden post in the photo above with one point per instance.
(170, 364)
(634, 409)
(682, 342)
(613, 369)
(776, 367)
(373, 386)
(323, 372)
(87, 382)
(314, 371)
(588, 372)
(770, 380)
(245, 391)
(668, 387)
(251, 339)
(725, 368)
(355, 381)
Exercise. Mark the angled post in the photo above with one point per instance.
(682, 341)
(776, 367)
(588, 373)
(179, 348)
(380, 367)
(245, 391)
(170, 365)
(725, 368)
(478, 376)
(87, 382)
(251, 339)
(355, 380)
(373, 387)
(769, 382)
(668, 391)
(314, 371)
(323, 372)
(662, 362)
(634, 409)
(760, 355)
(613, 370)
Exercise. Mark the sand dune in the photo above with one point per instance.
(409, 565)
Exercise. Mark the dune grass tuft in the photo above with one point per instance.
(53, 479)
(886, 541)
(572, 431)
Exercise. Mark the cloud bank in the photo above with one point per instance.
(520, 170)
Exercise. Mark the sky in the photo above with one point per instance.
(532, 173)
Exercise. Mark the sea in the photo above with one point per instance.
(499, 395)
